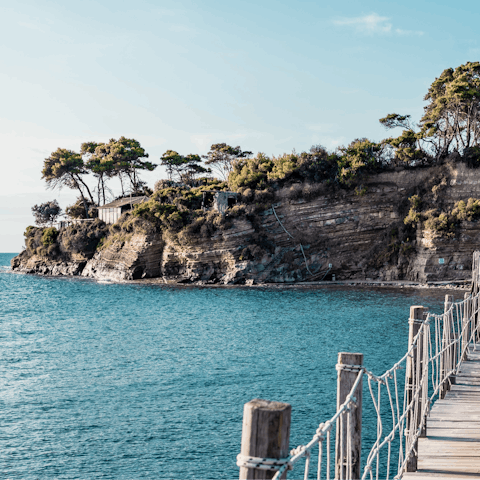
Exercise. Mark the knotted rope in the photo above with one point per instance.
(435, 354)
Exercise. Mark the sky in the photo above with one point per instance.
(269, 76)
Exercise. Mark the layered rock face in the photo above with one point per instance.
(141, 257)
(350, 234)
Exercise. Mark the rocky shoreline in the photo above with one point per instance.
(339, 235)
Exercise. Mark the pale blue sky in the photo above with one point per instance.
(269, 76)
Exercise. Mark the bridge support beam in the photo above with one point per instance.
(414, 369)
(266, 434)
(466, 326)
(348, 367)
(447, 359)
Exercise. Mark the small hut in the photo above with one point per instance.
(111, 212)
(219, 201)
(224, 200)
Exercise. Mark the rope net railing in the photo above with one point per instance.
(438, 344)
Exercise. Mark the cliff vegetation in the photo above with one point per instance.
(287, 206)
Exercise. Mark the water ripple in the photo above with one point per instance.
(124, 381)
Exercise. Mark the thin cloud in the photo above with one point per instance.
(373, 24)
(399, 31)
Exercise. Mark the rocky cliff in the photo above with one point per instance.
(352, 234)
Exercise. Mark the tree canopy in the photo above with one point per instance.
(46, 213)
(65, 168)
(183, 168)
(450, 123)
(222, 157)
(451, 120)
(97, 161)
(125, 156)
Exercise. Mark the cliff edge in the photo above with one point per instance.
(357, 233)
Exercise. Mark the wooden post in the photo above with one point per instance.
(413, 421)
(345, 380)
(266, 434)
(466, 326)
(450, 338)
(446, 356)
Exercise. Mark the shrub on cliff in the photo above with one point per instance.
(469, 211)
(77, 210)
(413, 216)
(162, 216)
(49, 236)
(261, 172)
(443, 223)
(82, 237)
(360, 157)
(250, 172)
(33, 239)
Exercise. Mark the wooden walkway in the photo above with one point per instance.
(452, 446)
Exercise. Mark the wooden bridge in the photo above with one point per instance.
(451, 447)
(427, 422)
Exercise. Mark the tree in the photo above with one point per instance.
(193, 168)
(183, 168)
(394, 120)
(407, 147)
(222, 157)
(173, 162)
(100, 164)
(46, 213)
(451, 121)
(126, 155)
(64, 168)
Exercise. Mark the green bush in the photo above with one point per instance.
(360, 157)
(413, 215)
(415, 201)
(49, 236)
(260, 172)
(467, 211)
(82, 238)
(33, 239)
(250, 172)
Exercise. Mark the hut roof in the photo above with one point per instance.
(125, 201)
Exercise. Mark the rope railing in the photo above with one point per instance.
(438, 344)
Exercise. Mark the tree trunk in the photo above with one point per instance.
(83, 197)
(86, 186)
(121, 183)
(103, 189)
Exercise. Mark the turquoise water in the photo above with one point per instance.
(128, 381)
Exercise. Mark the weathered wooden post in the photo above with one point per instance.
(450, 337)
(446, 359)
(466, 326)
(349, 364)
(265, 434)
(414, 369)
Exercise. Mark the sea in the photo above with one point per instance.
(129, 381)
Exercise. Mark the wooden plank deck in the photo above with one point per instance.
(452, 446)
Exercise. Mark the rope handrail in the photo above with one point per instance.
(437, 347)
